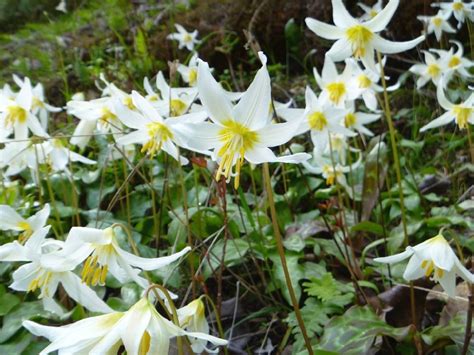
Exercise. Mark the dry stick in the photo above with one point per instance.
(393, 142)
(471, 147)
(468, 333)
(222, 190)
(281, 252)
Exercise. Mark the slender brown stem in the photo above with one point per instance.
(281, 252)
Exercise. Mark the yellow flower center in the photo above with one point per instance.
(317, 121)
(154, 97)
(236, 140)
(437, 21)
(107, 118)
(158, 133)
(454, 61)
(462, 115)
(27, 231)
(15, 114)
(192, 76)
(331, 174)
(41, 281)
(429, 267)
(336, 91)
(458, 6)
(364, 81)
(93, 272)
(37, 103)
(350, 120)
(187, 38)
(178, 107)
(127, 101)
(359, 36)
(434, 70)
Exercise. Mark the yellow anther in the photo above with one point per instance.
(349, 120)
(15, 114)
(364, 81)
(336, 91)
(359, 36)
(462, 115)
(178, 107)
(158, 133)
(434, 70)
(458, 6)
(192, 76)
(437, 21)
(454, 61)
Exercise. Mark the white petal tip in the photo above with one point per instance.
(263, 58)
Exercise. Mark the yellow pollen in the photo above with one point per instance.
(192, 76)
(178, 107)
(236, 140)
(458, 6)
(437, 21)
(359, 36)
(39, 282)
(364, 81)
(434, 70)
(428, 265)
(331, 175)
(107, 117)
(336, 91)
(350, 120)
(15, 113)
(317, 121)
(187, 38)
(127, 101)
(24, 225)
(462, 115)
(94, 273)
(454, 61)
(158, 133)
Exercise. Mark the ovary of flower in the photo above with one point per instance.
(158, 134)
(317, 121)
(236, 139)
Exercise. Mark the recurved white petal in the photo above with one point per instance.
(324, 30)
(341, 17)
(151, 263)
(388, 47)
(381, 20)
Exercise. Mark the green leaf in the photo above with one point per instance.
(13, 320)
(295, 270)
(356, 330)
(7, 302)
(367, 226)
(329, 290)
(235, 251)
(454, 330)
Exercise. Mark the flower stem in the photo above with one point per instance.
(281, 252)
(393, 142)
(471, 147)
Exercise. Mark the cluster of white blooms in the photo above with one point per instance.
(49, 262)
(229, 128)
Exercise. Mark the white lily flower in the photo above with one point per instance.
(141, 330)
(98, 114)
(356, 120)
(433, 256)
(61, 6)
(189, 72)
(454, 62)
(184, 38)
(370, 11)
(335, 87)
(18, 156)
(192, 318)
(365, 81)
(430, 70)
(462, 114)
(174, 101)
(60, 156)
(460, 10)
(154, 132)
(12, 220)
(241, 132)
(320, 118)
(39, 106)
(102, 254)
(357, 38)
(333, 172)
(46, 270)
(16, 115)
(437, 24)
